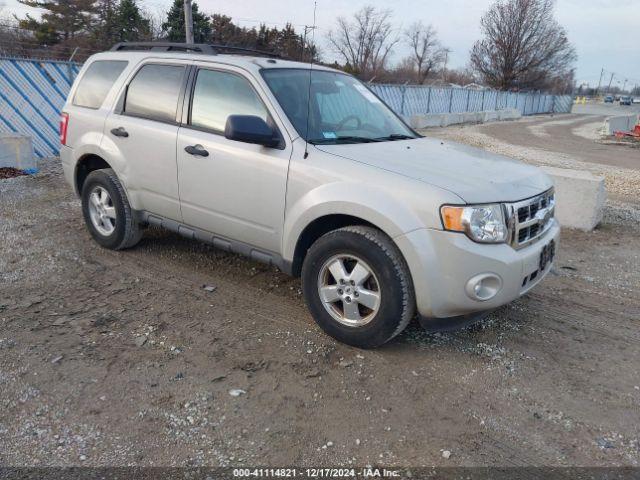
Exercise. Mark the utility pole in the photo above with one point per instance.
(444, 68)
(307, 28)
(188, 22)
(599, 81)
(610, 80)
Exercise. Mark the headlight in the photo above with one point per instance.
(481, 223)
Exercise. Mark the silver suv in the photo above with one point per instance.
(303, 167)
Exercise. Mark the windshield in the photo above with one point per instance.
(342, 110)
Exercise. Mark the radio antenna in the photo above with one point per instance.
(313, 37)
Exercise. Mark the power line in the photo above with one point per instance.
(262, 22)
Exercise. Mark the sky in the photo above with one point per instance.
(605, 33)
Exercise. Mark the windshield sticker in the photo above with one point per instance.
(329, 135)
(366, 93)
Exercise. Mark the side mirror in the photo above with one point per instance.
(250, 129)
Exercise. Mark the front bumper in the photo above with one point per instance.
(442, 263)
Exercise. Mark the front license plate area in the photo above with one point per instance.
(546, 255)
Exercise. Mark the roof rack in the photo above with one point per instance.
(203, 48)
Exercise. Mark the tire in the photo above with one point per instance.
(116, 233)
(358, 249)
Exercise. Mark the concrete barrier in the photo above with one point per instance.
(452, 119)
(472, 117)
(580, 197)
(16, 151)
(489, 116)
(509, 114)
(445, 119)
(425, 121)
(620, 123)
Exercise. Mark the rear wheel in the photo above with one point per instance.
(358, 287)
(107, 212)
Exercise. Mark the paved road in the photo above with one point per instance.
(606, 109)
(574, 135)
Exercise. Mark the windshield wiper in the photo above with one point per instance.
(343, 139)
(396, 136)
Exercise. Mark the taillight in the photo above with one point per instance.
(64, 125)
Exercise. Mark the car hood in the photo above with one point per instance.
(475, 175)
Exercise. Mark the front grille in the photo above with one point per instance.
(529, 219)
(523, 235)
(523, 213)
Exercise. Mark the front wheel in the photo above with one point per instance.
(358, 287)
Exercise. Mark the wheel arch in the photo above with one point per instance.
(384, 215)
(84, 166)
(316, 229)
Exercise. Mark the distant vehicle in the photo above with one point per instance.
(617, 98)
(625, 100)
(636, 100)
(608, 99)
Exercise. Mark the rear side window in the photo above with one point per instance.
(220, 94)
(97, 81)
(154, 91)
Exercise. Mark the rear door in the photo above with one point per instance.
(143, 130)
(238, 190)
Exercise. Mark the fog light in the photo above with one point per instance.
(483, 287)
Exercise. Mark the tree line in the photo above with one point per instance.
(88, 26)
(522, 46)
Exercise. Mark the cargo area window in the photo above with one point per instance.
(96, 83)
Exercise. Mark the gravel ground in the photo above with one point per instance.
(123, 358)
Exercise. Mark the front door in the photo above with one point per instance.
(238, 189)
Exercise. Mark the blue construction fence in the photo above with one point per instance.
(32, 93)
(410, 100)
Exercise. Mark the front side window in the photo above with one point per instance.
(219, 94)
(154, 92)
(341, 110)
(96, 83)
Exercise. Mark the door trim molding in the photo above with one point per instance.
(217, 241)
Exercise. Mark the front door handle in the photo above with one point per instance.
(120, 132)
(197, 150)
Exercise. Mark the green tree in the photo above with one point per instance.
(120, 22)
(107, 24)
(286, 42)
(131, 24)
(225, 32)
(290, 44)
(174, 30)
(61, 20)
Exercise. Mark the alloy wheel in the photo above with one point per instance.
(349, 290)
(102, 211)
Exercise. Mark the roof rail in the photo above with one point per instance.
(203, 48)
(245, 51)
(164, 47)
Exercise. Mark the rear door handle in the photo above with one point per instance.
(197, 150)
(120, 132)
